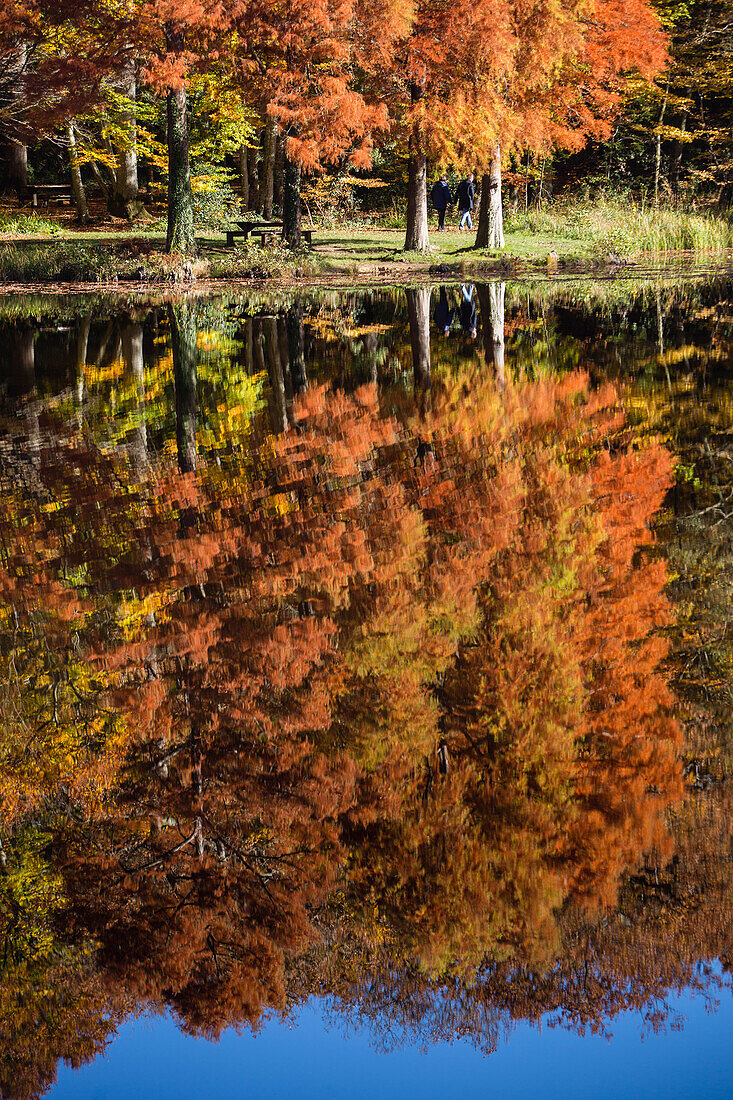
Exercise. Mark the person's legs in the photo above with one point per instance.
(441, 217)
(466, 221)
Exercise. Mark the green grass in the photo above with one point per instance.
(580, 234)
(67, 261)
(30, 224)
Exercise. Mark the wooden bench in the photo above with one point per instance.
(47, 192)
(263, 230)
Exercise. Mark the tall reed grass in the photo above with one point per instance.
(627, 229)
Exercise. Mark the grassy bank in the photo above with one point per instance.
(576, 237)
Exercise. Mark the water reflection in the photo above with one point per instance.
(336, 661)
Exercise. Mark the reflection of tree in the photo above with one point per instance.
(366, 683)
(182, 319)
(418, 309)
(52, 1003)
(491, 300)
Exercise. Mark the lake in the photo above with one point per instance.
(365, 716)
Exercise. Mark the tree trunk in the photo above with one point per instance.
(677, 156)
(491, 300)
(180, 238)
(125, 190)
(244, 176)
(254, 179)
(418, 312)
(416, 237)
(658, 150)
(77, 184)
(17, 166)
(291, 204)
(17, 151)
(183, 339)
(490, 233)
(268, 167)
(277, 197)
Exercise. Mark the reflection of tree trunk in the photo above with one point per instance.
(183, 338)
(125, 189)
(275, 371)
(257, 348)
(22, 383)
(82, 344)
(291, 204)
(248, 347)
(132, 354)
(282, 343)
(23, 363)
(296, 352)
(77, 184)
(268, 167)
(490, 232)
(418, 311)
(491, 300)
(180, 238)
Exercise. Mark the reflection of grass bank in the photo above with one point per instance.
(575, 237)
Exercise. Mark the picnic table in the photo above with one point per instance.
(263, 230)
(47, 192)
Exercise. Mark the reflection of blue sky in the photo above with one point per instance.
(152, 1060)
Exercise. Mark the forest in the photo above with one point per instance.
(187, 116)
(365, 607)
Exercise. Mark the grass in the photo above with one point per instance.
(44, 250)
(624, 228)
(29, 225)
(81, 261)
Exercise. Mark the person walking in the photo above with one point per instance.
(441, 198)
(465, 197)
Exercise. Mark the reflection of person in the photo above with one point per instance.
(467, 311)
(443, 315)
(441, 198)
(465, 198)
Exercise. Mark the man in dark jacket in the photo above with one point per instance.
(465, 197)
(441, 198)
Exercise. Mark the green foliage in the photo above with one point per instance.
(248, 260)
(215, 205)
(29, 223)
(29, 894)
(67, 262)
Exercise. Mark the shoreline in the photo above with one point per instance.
(507, 268)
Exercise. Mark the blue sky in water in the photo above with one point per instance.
(304, 1058)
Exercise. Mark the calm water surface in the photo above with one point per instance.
(366, 693)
